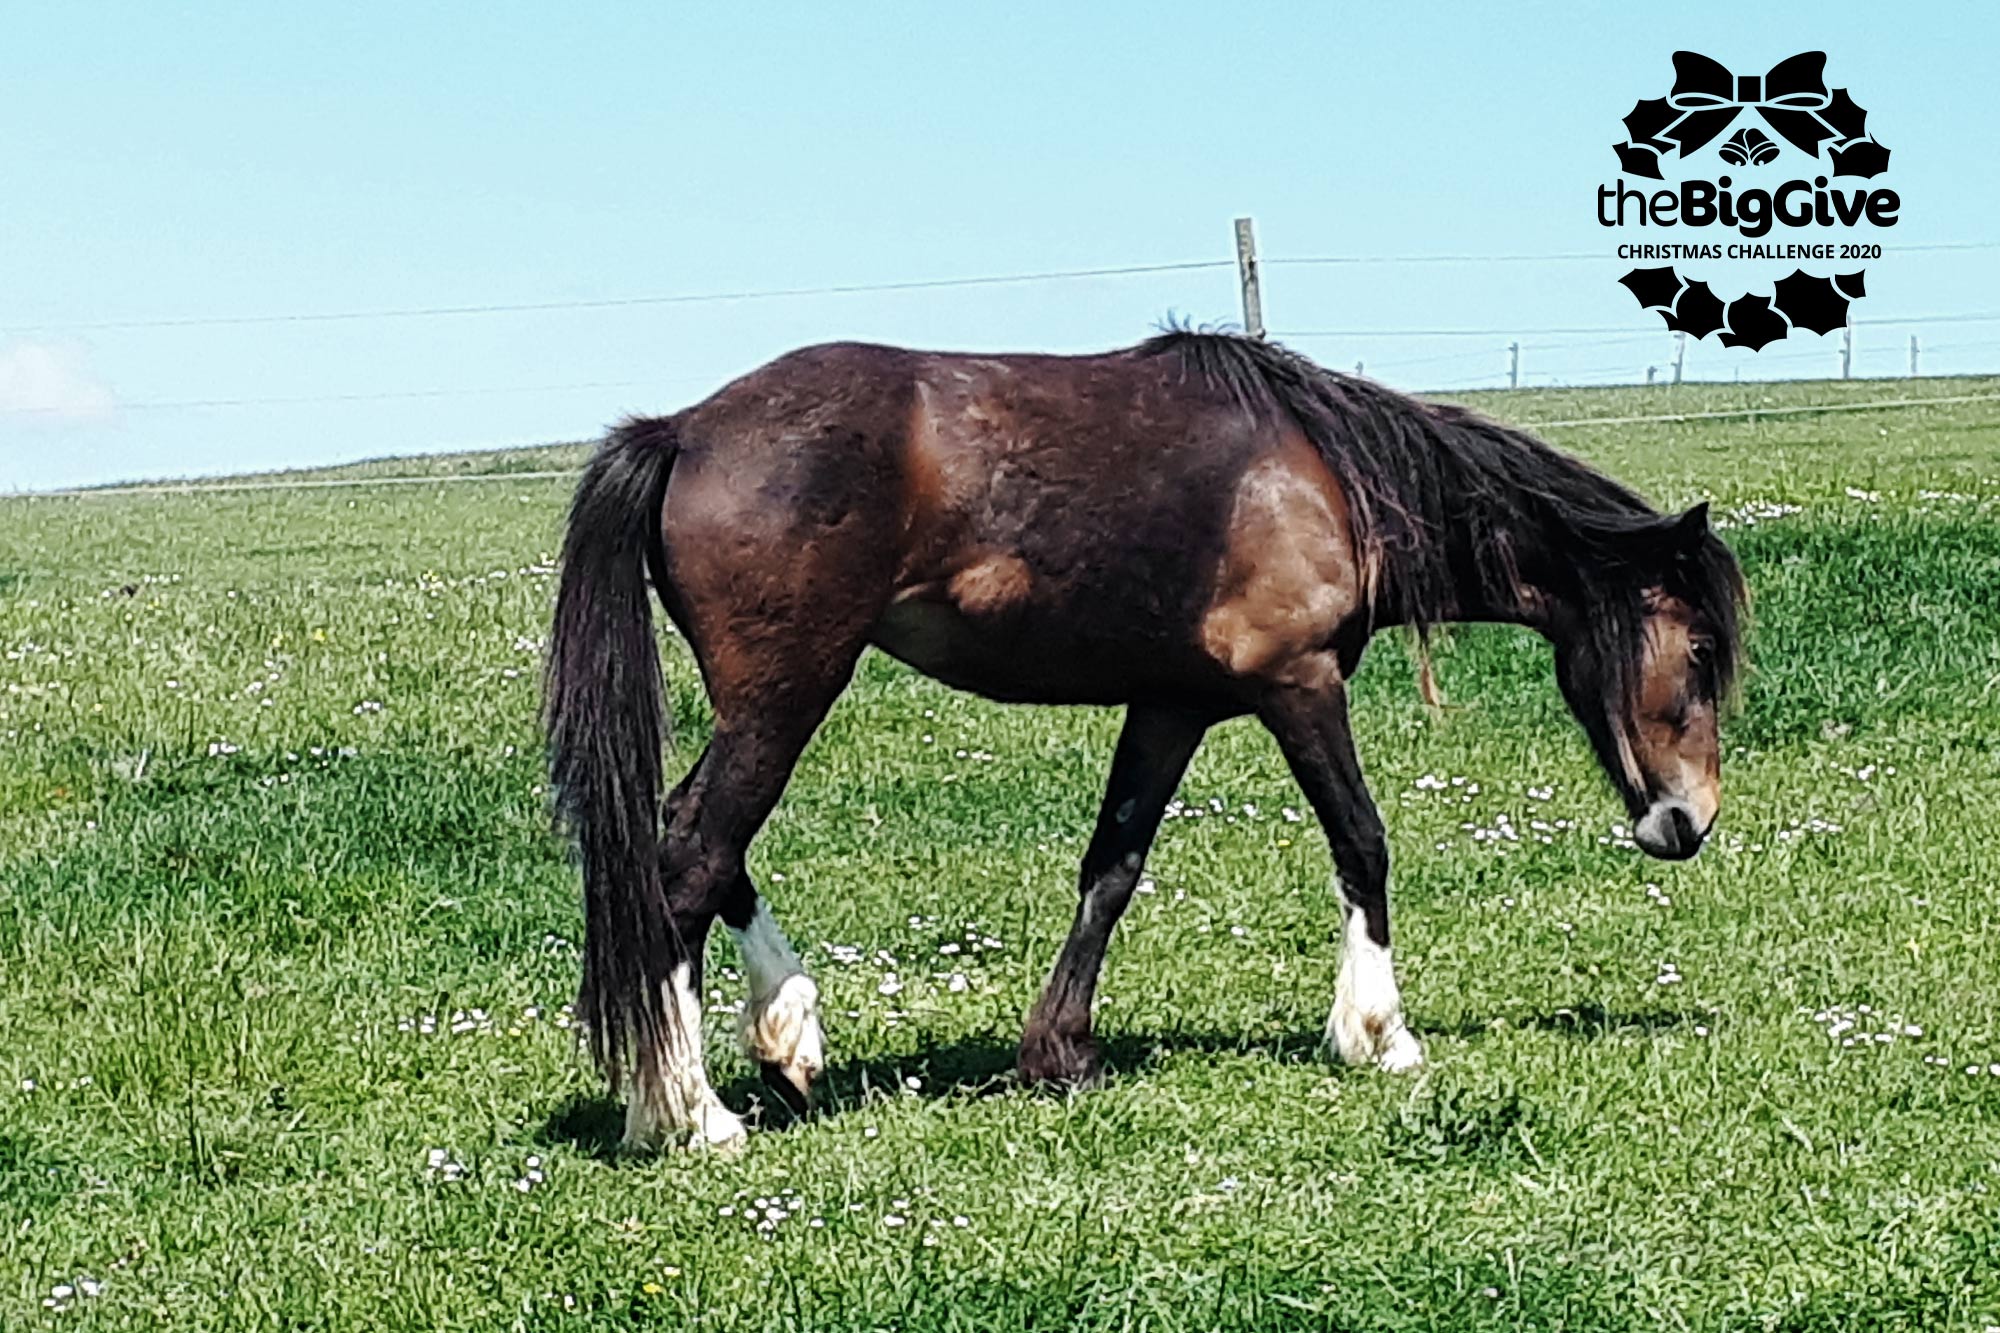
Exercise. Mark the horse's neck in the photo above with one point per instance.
(1502, 572)
(1508, 549)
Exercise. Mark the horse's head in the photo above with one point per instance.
(1646, 667)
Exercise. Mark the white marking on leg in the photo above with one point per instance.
(676, 1098)
(1366, 1026)
(780, 1024)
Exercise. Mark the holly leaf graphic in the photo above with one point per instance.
(1852, 285)
(1810, 302)
(1753, 323)
(1638, 159)
(1648, 117)
(1848, 120)
(1698, 313)
(1865, 159)
(1644, 123)
(1656, 288)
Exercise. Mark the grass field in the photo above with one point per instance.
(285, 946)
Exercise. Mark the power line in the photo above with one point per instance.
(1442, 333)
(1945, 245)
(1435, 360)
(607, 303)
(1502, 331)
(1987, 317)
(157, 405)
(849, 289)
(1798, 409)
(301, 484)
(406, 395)
(1576, 343)
(1626, 369)
(1961, 347)
(1813, 355)
(1443, 259)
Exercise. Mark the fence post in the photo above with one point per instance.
(1246, 273)
(1847, 349)
(1680, 354)
(1513, 365)
(1913, 356)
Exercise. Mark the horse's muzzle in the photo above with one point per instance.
(1667, 830)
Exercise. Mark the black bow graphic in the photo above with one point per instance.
(1792, 97)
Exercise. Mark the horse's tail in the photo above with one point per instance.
(606, 725)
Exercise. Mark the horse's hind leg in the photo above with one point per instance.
(710, 819)
(683, 1102)
(780, 545)
(780, 1028)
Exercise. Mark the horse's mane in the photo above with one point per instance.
(1446, 502)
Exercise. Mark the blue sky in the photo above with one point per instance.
(271, 160)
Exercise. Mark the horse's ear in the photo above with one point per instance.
(1692, 527)
(1667, 540)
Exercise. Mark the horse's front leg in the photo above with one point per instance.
(1310, 723)
(1153, 752)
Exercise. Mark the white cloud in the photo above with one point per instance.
(51, 383)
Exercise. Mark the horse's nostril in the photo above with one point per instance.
(1684, 835)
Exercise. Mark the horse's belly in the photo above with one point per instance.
(1009, 660)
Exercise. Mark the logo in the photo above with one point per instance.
(1749, 148)
(1776, 116)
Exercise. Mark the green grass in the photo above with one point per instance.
(231, 890)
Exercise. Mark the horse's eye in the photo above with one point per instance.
(1700, 651)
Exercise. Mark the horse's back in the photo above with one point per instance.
(1082, 529)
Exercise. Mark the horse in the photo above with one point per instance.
(1197, 528)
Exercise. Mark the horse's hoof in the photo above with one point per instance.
(781, 1033)
(790, 1084)
(716, 1129)
(719, 1132)
(1049, 1060)
(1370, 1041)
(724, 1147)
(1400, 1054)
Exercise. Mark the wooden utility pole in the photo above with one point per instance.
(1680, 354)
(1246, 273)
(1847, 350)
(1513, 365)
(1913, 356)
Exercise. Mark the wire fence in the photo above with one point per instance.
(1521, 360)
(909, 285)
(1747, 412)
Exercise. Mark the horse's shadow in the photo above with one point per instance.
(1588, 1019)
(983, 1066)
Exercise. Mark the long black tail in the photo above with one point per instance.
(606, 724)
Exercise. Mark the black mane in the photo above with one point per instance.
(1454, 512)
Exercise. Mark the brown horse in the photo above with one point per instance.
(1197, 528)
